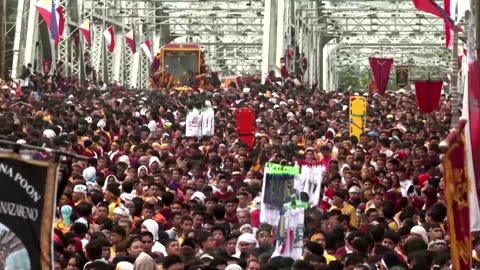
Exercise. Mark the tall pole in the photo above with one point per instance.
(454, 86)
(3, 39)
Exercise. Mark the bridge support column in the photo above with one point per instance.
(273, 35)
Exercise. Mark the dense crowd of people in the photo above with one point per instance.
(152, 198)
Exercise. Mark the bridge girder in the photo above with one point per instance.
(381, 25)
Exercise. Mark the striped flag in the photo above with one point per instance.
(430, 6)
(130, 37)
(86, 31)
(46, 9)
(147, 49)
(109, 35)
(455, 9)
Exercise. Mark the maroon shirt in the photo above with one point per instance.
(223, 196)
(284, 72)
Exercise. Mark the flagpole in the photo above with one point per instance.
(454, 83)
(3, 26)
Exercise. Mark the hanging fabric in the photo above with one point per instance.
(310, 181)
(277, 187)
(192, 124)
(290, 233)
(208, 122)
(200, 122)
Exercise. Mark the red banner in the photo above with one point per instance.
(246, 125)
(381, 72)
(457, 192)
(473, 103)
(47, 65)
(428, 95)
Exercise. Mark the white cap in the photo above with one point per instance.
(122, 211)
(199, 196)
(82, 220)
(233, 267)
(21, 141)
(246, 90)
(354, 189)
(248, 180)
(152, 160)
(124, 266)
(124, 158)
(89, 174)
(80, 189)
(310, 110)
(50, 134)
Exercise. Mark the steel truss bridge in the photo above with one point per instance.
(238, 36)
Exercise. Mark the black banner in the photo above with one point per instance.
(402, 75)
(27, 201)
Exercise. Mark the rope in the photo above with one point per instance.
(362, 118)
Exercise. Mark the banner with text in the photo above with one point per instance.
(401, 75)
(27, 202)
(457, 191)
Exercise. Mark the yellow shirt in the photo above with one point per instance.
(393, 226)
(180, 240)
(61, 226)
(111, 207)
(347, 209)
(329, 258)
